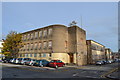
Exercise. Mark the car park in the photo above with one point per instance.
(41, 63)
(56, 63)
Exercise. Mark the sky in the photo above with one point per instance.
(99, 19)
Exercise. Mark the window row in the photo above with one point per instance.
(37, 34)
(96, 47)
(37, 45)
(36, 55)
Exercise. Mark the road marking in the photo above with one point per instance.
(111, 71)
(75, 75)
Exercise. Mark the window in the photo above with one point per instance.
(35, 55)
(35, 45)
(32, 36)
(65, 44)
(45, 33)
(24, 47)
(40, 55)
(26, 55)
(50, 55)
(45, 45)
(28, 37)
(23, 55)
(20, 55)
(44, 55)
(30, 55)
(40, 34)
(50, 44)
(24, 37)
(28, 46)
(31, 46)
(40, 45)
(50, 31)
(36, 34)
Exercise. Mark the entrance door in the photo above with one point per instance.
(71, 57)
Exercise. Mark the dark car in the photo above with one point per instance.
(100, 62)
(105, 62)
(56, 63)
(41, 63)
(6, 60)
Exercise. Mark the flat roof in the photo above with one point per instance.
(96, 42)
(44, 27)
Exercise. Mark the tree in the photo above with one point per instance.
(11, 44)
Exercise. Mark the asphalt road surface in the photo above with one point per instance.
(23, 71)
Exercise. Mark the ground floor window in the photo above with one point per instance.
(35, 55)
(40, 55)
(26, 55)
(30, 55)
(20, 55)
(23, 55)
(50, 55)
(44, 55)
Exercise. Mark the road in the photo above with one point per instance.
(23, 71)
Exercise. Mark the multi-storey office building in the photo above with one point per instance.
(95, 51)
(55, 42)
(108, 53)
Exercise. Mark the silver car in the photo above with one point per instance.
(31, 62)
(24, 60)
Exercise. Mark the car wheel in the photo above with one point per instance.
(31, 64)
(40, 65)
(56, 66)
(23, 63)
(63, 66)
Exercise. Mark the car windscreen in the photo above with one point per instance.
(58, 61)
(52, 61)
(26, 59)
(20, 59)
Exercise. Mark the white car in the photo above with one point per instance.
(12, 60)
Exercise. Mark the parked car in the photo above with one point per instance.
(116, 60)
(12, 60)
(41, 63)
(24, 60)
(31, 62)
(6, 60)
(109, 61)
(18, 60)
(100, 62)
(105, 62)
(56, 63)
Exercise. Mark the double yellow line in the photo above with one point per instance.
(111, 71)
